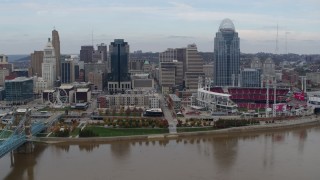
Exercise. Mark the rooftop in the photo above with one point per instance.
(19, 79)
(226, 25)
(174, 97)
(82, 89)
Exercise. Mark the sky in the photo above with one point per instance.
(155, 25)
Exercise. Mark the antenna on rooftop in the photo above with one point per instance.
(277, 40)
(92, 36)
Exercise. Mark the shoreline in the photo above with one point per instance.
(310, 121)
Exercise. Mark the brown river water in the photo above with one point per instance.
(289, 154)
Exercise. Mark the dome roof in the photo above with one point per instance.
(226, 25)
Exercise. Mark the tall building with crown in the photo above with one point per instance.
(227, 55)
(49, 64)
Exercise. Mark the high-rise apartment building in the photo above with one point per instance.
(119, 77)
(49, 65)
(56, 46)
(227, 55)
(36, 63)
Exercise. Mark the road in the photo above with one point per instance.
(168, 115)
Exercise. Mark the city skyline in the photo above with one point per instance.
(157, 25)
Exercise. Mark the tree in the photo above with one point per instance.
(128, 111)
(140, 110)
(121, 111)
(114, 111)
(107, 111)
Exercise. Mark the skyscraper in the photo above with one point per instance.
(192, 64)
(119, 78)
(56, 46)
(86, 54)
(36, 63)
(49, 64)
(227, 55)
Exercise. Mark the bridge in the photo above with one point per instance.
(22, 133)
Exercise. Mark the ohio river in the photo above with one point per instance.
(289, 154)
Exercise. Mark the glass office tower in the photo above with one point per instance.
(226, 55)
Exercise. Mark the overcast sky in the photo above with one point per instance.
(154, 25)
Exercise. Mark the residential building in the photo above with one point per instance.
(227, 55)
(135, 97)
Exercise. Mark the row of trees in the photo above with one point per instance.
(135, 123)
(227, 123)
(193, 123)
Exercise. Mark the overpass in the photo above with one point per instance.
(23, 132)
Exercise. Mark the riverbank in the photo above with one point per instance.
(281, 125)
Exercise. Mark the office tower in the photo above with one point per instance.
(101, 54)
(193, 67)
(250, 77)
(86, 54)
(227, 55)
(19, 90)
(56, 46)
(171, 75)
(192, 64)
(94, 67)
(119, 78)
(49, 64)
(36, 63)
(67, 71)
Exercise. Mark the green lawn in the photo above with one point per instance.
(6, 133)
(106, 132)
(42, 135)
(194, 129)
(75, 132)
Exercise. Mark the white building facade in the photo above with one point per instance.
(49, 65)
